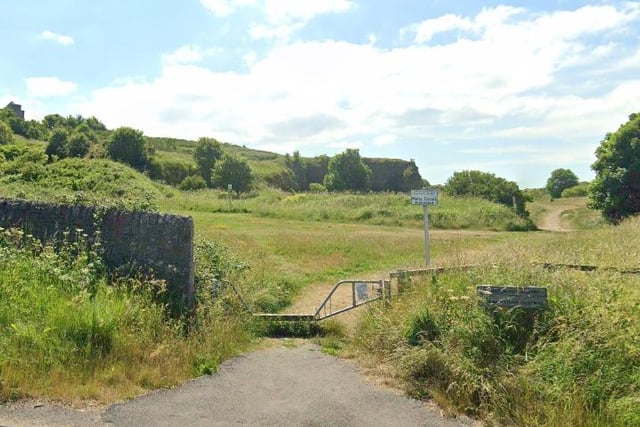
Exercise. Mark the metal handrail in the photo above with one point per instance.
(354, 300)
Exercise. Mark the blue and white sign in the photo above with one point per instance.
(425, 197)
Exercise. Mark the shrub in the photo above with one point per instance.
(6, 134)
(127, 145)
(194, 182)
(580, 190)
(315, 187)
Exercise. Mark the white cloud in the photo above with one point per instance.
(502, 149)
(309, 94)
(284, 17)
(223, 8)
(184, 55)
(58, 38)
(281, 18)
(280, 31)
(384, 139)
(278, 11)
(45, 87)
(427, 29)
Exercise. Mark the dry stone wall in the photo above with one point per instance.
(156, 243)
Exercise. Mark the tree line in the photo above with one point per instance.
(615, 191)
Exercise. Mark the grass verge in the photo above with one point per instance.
(67, 334)
(575, 363)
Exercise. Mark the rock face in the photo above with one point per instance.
(149, 243)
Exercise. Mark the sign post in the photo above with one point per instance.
(425, 197)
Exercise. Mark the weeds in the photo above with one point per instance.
(67, 333)
(576, 363)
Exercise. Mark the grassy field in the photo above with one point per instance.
(67, 334)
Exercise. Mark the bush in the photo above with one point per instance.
(315, 187)
(194, 182)
(6, 134)
(127, 145)
(57, 146)
(489, 187)
(580, 190)
(78, 145)
(560, 180)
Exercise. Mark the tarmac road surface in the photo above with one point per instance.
(277, 387)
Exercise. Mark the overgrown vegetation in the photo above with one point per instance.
(66, 333)
(376, 208)
(487, 186)
(573, 364)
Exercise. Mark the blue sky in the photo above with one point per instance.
(516, 88)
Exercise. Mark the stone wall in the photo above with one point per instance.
(156, 243)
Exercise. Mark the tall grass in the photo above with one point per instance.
(388, 209)
(67, 334)
(576, 363)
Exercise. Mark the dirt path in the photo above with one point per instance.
(552, 218)
(277, 387)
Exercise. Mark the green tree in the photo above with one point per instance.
(127, 145)
(78, 145)
(616, 188)
(17, 124)
(487, 186)
(6, 134)
(57, 145)
(235, 171)
(52, 121)
(560, 180)
(95, 124)
(88, 132)
(299, 168)
(35, 130)
(208, 151)
(347, 171)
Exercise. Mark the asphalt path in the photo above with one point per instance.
(298, 386)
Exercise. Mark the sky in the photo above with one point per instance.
(515, 88)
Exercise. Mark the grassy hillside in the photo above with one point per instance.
(264, 165)
(100, 182)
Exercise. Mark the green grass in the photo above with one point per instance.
(576, 364)
(72, 180)
(387, 209)
(66, 334)
(575, 213)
